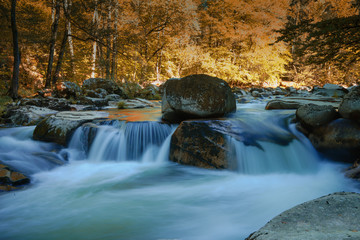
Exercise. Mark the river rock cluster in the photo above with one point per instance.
(333, 130)
(329, 116)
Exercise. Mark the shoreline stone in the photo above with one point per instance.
(335, 216)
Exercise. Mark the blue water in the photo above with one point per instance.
(120, 185)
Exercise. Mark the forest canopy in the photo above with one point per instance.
(246, 42)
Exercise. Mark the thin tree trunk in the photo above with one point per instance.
(108, 43)
(67, 7)
(61, 56)
(95, 22)
(54, 29)
(13, 91)
(114, 48)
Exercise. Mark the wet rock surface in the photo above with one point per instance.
(11, 179)
(335, 216)
(198, 144)
(196, 96)
(58, 128)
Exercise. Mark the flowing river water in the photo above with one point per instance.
(124, 187)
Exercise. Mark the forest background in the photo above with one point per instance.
(245, 42)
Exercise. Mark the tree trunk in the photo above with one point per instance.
(67, 8)
(54, 29)
(95, 22)
(108, 42)
(114, 47)
(61, 56)
(13, 91)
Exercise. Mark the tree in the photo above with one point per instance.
(326, 41)
(54, 30)
(13, 91)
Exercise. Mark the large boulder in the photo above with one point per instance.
(58, 128)
(350, 105)
(198, 143)
(312, 116)
(110, 86)
(196, 96)
(338, 140)
(67, 90)
(335, 216)
(11, 179)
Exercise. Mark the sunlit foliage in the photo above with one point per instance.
(145, 41)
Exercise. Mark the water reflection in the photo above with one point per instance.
(134, 115)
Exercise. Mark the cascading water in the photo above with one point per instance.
(118, 183)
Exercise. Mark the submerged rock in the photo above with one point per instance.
(58, 128)
(335, 216)
(196, 96)
(11, 179)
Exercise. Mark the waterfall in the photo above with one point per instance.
(122, 141)
(271, 157)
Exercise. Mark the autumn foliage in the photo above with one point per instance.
(147, 41)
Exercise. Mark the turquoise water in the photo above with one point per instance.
(133, 192)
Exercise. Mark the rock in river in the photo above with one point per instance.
(311, 115)
(11, 179)
(196, 96)
(350, 105)
(335, 216)
(197, 143)
(58, 128)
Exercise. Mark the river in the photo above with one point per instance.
(124, 187)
